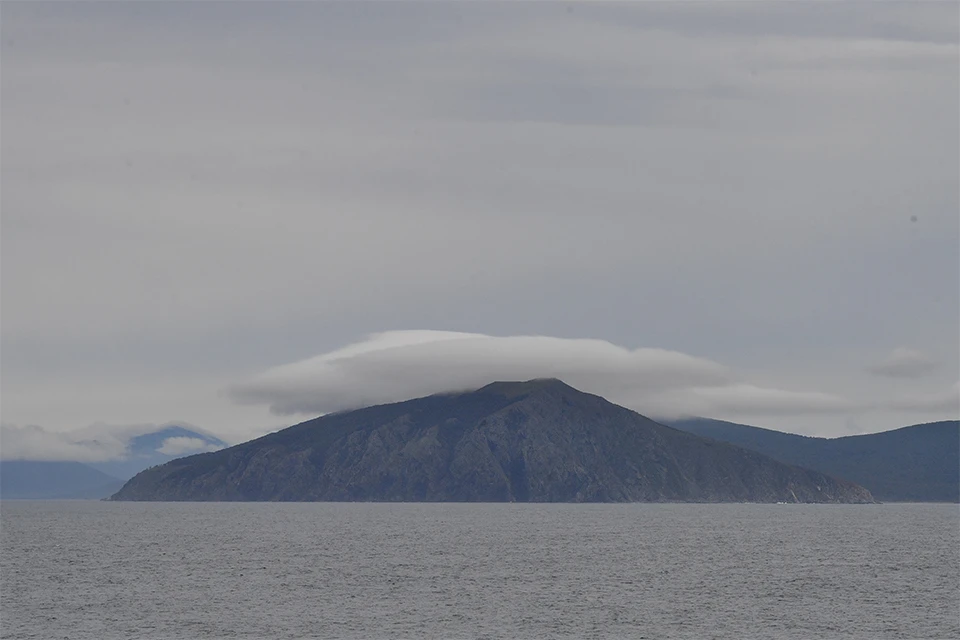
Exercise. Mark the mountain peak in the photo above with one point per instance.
(512, 388)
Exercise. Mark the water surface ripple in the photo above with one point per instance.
(106, 571)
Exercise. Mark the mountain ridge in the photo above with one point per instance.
(537, 441)
(32, 479)
(54, 479)
(145, 450)
(915, 463)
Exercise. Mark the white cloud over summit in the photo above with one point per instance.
(399, 365)
(184, 445)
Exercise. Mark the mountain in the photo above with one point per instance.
(920, 463)
(158, 447)
(31, 479)
(536, 441)
(41, 479)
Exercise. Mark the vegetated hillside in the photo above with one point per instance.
(35, 480)
(919, 463)
(538, 441)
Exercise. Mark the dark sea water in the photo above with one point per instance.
(108, 571)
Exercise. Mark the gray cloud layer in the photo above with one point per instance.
(195, 192)
(94, 443)
(944, 403)
(905, 363)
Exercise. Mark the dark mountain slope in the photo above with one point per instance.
(917, 463)
(539, 441)
(32, 479)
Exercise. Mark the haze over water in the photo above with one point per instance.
(264, 570)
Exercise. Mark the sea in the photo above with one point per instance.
(111, 570)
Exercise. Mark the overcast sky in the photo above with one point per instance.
(241, 215)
